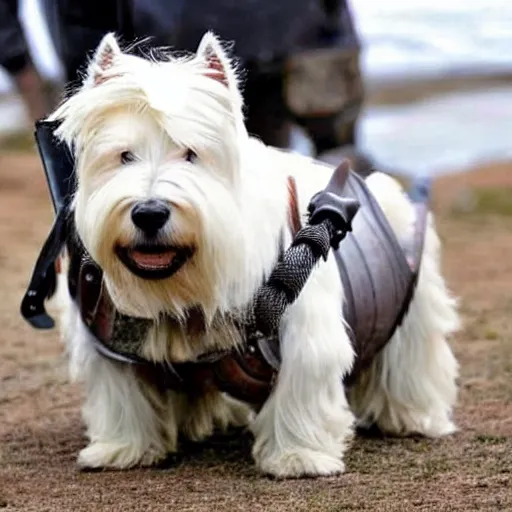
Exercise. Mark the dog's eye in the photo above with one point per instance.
(127, 157)
(190, 156)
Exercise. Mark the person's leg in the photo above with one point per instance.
(328, 132)
(76, 30)
(32, 90)
(267, 116)
(339, 128)
(343, 79)
(15, 59)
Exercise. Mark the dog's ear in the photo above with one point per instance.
(103, 60)
(218, 64)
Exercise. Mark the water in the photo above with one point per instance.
(402, 39)
(450, 133)
(431, 37)
(406, 39)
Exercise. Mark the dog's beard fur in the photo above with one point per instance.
(231, 207)
(205, 216)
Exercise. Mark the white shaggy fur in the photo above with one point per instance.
(231, 206)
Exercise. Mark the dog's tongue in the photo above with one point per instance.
(157, 260)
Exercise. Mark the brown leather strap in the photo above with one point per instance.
(293, 207)
(248, 375)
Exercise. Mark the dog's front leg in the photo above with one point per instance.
(304, 426)
(120, 411)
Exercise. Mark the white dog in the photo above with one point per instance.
(162, 151)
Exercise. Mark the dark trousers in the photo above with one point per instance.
(77, 30)
(14, 55)
(268, 117)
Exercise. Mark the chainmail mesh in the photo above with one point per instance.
(290, 275)
(316, 236)
(129, 334)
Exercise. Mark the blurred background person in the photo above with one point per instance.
(436, 76)
(301, 57)
(15, 58)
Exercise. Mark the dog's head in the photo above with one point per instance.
(158, 146)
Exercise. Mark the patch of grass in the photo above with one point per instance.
(491, 335)
(483, 201)
(419, 445)
(497, 201)
(18, 141)
(490, 439)
(476, 326)
(433, 467)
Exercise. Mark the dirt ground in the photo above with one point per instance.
(41, 430)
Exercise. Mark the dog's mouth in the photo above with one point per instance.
(154, 261)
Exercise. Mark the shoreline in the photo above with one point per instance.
(434, 125)
(391, 91)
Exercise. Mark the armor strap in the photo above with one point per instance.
(58, 163)
(247, 374)
(419, 194)
(58, 166)
(43, 282)
(378, 299)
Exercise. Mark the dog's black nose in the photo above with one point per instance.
(150, 216)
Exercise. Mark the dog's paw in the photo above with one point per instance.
(215, 410)
(438, 428)
(300, 463)
(117, 456)
(233, 413)
(432, 426)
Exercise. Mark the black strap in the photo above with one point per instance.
(58, 163)
(330, 218)
(43, 282)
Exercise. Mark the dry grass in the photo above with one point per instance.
(41, 431)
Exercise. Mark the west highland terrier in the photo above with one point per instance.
(183, 210)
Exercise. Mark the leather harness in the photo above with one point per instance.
(378, 274)
(246, 373)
